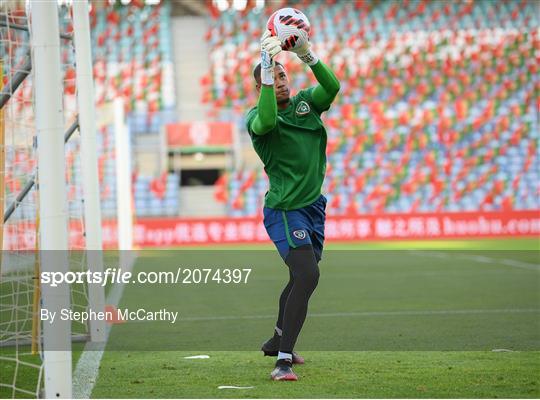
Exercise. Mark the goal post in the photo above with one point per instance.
(62, 164)
(124, 203)
(53, 230)
(89, 162)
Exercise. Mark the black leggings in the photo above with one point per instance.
(293, 302)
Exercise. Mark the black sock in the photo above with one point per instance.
(304, 269)
(282, 301)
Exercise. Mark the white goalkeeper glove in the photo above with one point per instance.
(270, 47)
(305, 54)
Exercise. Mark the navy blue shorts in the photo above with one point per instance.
(291, 229)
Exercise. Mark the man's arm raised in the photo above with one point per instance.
(266, 117)
(327, 89)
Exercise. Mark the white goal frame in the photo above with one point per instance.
(49, 178)
(45, 44)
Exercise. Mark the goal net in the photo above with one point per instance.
(21, 337)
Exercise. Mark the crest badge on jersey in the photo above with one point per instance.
(300, 234)
(302, 108)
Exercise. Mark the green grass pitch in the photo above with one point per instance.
(361, 341)
(375, 356)
(325, 375)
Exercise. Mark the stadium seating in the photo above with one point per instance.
(133, 56)
(156, 196)
(132, 53)
(152, 195)
(437, 112)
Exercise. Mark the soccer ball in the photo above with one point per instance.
(291, 27)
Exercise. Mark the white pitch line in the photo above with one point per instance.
(480, 259)
(520, 264)
(235, 387)
(87, 369)
(375, 314)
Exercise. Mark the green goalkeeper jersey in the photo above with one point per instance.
(293, 153)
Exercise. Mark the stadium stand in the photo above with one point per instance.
(438, 109)
(132, 51)
(133, 56)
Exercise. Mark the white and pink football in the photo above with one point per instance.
(291, 26)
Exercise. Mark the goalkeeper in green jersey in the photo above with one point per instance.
(290, 138)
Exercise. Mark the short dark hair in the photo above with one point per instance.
(257, 72)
